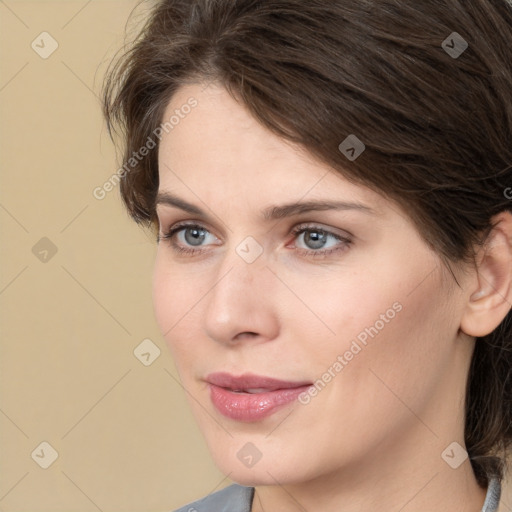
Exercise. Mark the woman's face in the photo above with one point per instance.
(349, 299)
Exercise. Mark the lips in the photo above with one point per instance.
(251, 383)
(250, 397)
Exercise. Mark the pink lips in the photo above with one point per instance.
(257, 397)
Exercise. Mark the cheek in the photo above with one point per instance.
(350, 306)
(403, 345)
(382, 322)
(171, 296)
(162, 299)
(398, 362)
(178, 300)
(374, 301)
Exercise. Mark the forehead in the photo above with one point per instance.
(214, 124)
(218, 145)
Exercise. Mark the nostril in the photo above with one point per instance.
(247, 334)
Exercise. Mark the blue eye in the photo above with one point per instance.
(192, 233)
(316, 239)
(197, 234)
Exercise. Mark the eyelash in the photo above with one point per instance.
(298, 230)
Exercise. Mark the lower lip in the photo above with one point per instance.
(252, 406)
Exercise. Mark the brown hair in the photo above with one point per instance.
(435, 117)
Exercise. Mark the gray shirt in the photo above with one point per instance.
(238, 498)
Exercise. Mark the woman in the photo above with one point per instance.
(329, 181)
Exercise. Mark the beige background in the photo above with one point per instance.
(125, 438)
(70, 321)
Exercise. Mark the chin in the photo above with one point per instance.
(254, 477)
(270, 471)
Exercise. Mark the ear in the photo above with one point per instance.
(490, 292)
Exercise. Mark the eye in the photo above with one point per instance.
(318, 241)
(192, 234)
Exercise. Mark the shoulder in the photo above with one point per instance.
(234, 498)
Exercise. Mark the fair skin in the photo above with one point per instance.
(372, 439)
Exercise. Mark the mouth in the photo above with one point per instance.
(250, 383)
(249, 397)
(250, 391)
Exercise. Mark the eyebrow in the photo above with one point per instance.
(272, 212)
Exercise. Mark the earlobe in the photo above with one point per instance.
(490, 298)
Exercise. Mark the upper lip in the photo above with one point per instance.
(251, 381)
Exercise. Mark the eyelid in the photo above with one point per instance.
(180, 225)
(344, 240)
(295, 230)
(303, 225)
(341, 233)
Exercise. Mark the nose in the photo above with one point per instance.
(241, 304)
